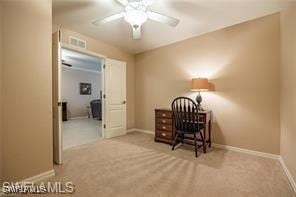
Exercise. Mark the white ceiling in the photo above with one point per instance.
(196, 17)
(81, 61)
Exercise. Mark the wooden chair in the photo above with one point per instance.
(186, 122)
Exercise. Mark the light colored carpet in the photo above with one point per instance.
(135, 166)
(80, 131)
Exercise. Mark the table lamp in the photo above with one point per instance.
(199, 85)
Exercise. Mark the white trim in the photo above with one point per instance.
(81, 69)
(112, 133)
(145, 131)
(140, 130)
(103, 93)
(131, 130)
(78, 117)
(225, 147)
(81, 50)
(40, 177)
(246, 151)
(287, 172)
(35, 179)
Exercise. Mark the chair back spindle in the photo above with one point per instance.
(185, 115)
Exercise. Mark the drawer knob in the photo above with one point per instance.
(163, 121)
(163, 115)
(163, 134)
(163, 127)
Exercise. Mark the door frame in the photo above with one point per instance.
(103, 58)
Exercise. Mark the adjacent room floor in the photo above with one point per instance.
(134, 165)
(81, 131)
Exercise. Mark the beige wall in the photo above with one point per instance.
(114, 53)
(288, 93)
(27, 88)
(244, 63)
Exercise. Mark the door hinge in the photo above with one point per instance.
(104, 96)
(104, 126)
(104, 66)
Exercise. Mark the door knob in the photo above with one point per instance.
(124, 102)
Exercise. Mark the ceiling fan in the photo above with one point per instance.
(136, 13)
(66, 64)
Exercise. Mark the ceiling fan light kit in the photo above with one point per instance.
(136, 13)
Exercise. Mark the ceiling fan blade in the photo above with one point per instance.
(137, 33)
(122, 2)
(163, 19)
(108, 19)
(66, 64)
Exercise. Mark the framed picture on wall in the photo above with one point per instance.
(85, 89)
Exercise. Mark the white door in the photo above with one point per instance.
(115, 98)
(57, 107)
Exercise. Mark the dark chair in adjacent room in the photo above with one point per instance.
(186, 123)
(96, 109)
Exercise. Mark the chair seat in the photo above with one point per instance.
(201, 127)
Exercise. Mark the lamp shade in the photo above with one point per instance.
(199, 84)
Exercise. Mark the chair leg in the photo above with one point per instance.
(175, 142)
(195, 145)
(203, 143)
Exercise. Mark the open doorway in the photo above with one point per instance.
(81, 92)
(107, 122)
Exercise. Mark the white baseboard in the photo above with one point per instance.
(35, 179)
(289, 175)
(78, 117)
(247, 151)
(225, 147)
(111, 134)
(40, 177)
(140, 130)
(131, 130)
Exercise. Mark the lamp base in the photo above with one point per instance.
(199, 100)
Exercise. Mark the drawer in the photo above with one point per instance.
(163, 114)
(201, 118)
(164, 121)
(164, 127)
(163, 134)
